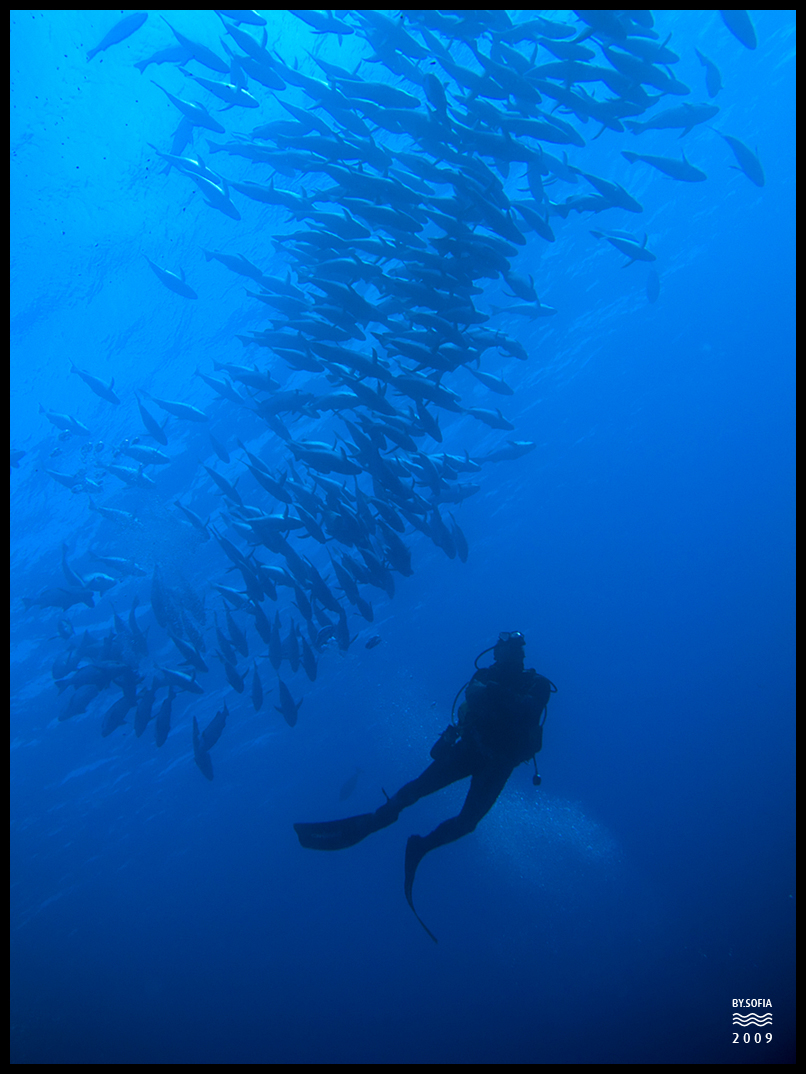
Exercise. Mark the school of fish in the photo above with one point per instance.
(407, 182)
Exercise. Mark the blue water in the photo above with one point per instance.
(645, 548)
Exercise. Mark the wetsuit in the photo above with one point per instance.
(500, 726)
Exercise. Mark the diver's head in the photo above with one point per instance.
(508, 651)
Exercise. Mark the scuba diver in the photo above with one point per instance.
(499, 726)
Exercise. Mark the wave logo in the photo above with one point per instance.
(752, 1019)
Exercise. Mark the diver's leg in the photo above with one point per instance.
(339, 834)
(485, 787)
(458, 763)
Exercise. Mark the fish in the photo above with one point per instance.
(308, 660)
(131, 477)
(226, 391)
(213, 731)
(686, 116)
(171, 280)
(233, 676)
(99, 583)
(522, 287)
(349, 785)
(181, 680)
(162, 721)
(195, 114)
(139, 638)
(97, 385)
(675, 169)
(200, 754)
(152, 425)
(145, 703)
(257, 689)
(204, 55)
(275, 644)
(60, 597)
(227, 652)
(125, 567)
(746, 160)
(324, 24)
(288, 708)
(459, 540)
(643, 73)
(532, 311)
(494, 383)
(142, 453)
(65, 422)
(741, 26)
(74, 482)
(628, 246)
(236, 634)
(190, 653)
(322, 458)
(516, 450)
(613, 192)
(115, 514)
(187, 165)
(713, 79)
(216, 195)
(494, 418)
(79, 701)
(178, 54)
(115, 716)
(219, 449)
(195, 521)
(235, 263)
(247, 18)
(96, 674)
(227, 488)
(233, 96)
(119, 32)
(183, 411)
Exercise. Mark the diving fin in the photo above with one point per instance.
(337, 834)
(414, 855)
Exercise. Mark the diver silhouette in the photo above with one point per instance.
(499, 726)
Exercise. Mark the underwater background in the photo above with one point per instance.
(644, 545)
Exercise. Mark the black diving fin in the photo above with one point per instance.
(337, 834)
(414, 855)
